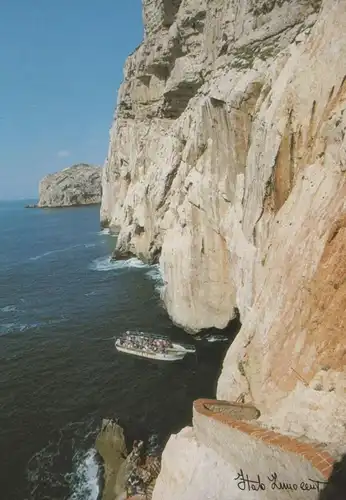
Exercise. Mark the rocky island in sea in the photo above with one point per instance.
(77, 185)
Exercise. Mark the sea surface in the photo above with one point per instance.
(62, 302)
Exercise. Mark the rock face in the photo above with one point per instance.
(73, 186)
(194, 468)
(125, 474)
(110, 444)
(227, 165)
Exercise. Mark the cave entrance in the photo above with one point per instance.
(230, 331)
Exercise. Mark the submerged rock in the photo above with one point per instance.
(73, 186)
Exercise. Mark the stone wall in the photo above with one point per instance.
(222, 458)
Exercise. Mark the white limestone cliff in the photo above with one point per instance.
(72, 186)
(227, 165)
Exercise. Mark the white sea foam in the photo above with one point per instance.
(86, 477)
(217, 338)
(66, 464)
(61, 250)
(6, 328)
(8, 309)
(106, 264)
(106, 231)
(154, 273)
(134, 262)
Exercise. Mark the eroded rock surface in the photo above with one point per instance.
(73, 186)
(110, 444)
(226, 164)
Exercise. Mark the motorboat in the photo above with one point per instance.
(212, 338)
(217, 338)
(151, 347)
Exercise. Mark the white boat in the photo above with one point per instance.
(212, 338)
(217, 338)
(151, 347)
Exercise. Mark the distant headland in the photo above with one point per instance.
(73, 186)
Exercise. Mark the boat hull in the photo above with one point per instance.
(161, 356)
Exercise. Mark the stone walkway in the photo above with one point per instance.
(238, 416)
(236, 411)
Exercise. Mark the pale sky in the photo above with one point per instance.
(61, 64)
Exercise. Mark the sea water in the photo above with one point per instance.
(62, 302)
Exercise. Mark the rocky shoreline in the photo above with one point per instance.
(36, 205)
(126, 475)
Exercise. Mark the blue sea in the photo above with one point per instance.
(62, 302)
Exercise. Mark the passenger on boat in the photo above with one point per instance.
(145, 343)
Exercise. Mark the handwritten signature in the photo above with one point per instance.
(244, 483)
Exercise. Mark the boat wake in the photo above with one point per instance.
(61, 250)
(106, 264)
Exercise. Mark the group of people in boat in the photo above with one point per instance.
(144, 343)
